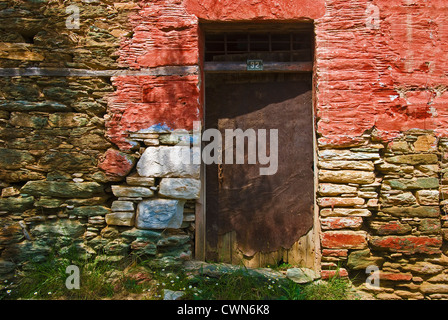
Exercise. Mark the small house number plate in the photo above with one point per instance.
(254, 65)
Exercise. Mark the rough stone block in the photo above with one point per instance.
(406, 198)
(409, 184)
(413, 159)
(398, 146)
(340, 202)
(361, 259)
(301, 275)
(160, 214)
(122, 206)
(29, 106)
(333, 223)
(329, 189)
(347, 155)
(335, 253)
(428, 197)
(140, 181)
(175, 240)
(144, 247)
(67, 120)
(175, 137)
(48, 202)
(434, 288)
(10, 192)
(14, 159)
(120, 218)
(394, 169)
(415, 211)
(166, 161)
(389, 227)
(89, 211)
(116, 164)
(346, 176)
(180, 188)
(344, 239)
(425, 143)
(131, 191)
(407, 244)
(343, 212)
(143, 235)
(391, 276)
(51, 230)
(151, 142)
(428, 170)
(63, 189)
(70, 161)
(346, 165)
(429, 226)
(28, 120)
(14, 204)
(423, 267)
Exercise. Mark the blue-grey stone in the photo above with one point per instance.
(160, 214)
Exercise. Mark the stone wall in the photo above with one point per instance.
(383, 205)
(85, 111)
(64, 181)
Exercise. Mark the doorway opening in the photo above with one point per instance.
(246, 217)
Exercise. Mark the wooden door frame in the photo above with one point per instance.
(219, 67)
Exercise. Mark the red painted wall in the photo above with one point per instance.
(379, 64)
(390, 75)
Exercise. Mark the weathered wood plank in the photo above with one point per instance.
(302, 253)
(200, 216)
(70, 72)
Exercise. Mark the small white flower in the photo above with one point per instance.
(35, 293)
(49, 292)
(8, 291)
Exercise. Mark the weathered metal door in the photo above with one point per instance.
(249, 214)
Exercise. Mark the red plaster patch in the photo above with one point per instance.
(229, 10)
(391, 78)
(144, 102)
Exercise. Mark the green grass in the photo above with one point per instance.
(239, 285)
(46, 280)
(136, 280)
(335, 288)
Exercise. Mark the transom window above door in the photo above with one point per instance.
(287, 46)
(281, 47)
